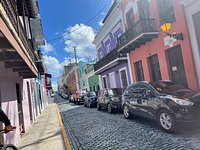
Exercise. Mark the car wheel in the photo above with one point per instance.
(126, 112)
(109, 108)
(98, 106)
(166, 121)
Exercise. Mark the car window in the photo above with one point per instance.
(115, 92)
(135, 91)
(92, 94)
(143, 89)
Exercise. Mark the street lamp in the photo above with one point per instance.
(166, 27)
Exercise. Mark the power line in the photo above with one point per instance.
(58, 37)
(92, 23)
(92, 20)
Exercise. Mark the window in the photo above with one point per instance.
(166, 11)
(112, 80)
(143, 6)
(139, 71)
(154, 68)
(104, 82)
(130, 18)
(93, 88)
(124, 82)
(98, 88)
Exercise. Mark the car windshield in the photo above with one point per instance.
(115, 92)
(92, 94)
(169, 88)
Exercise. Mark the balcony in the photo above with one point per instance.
(110, 60)
(16, 49)
(137, 35)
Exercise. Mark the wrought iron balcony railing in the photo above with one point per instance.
(139, 28)
(10, 7)
(110, 57)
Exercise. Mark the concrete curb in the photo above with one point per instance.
(64, 133)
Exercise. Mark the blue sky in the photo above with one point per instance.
(65, 24)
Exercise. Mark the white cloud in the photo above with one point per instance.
(54, 67)
(101, 23)
(81, 36)
(47, 48)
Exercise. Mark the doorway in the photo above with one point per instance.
(104, 82)
(154, 68)
(176, 65)
(20, 108)
(123, 77)
(29, 101)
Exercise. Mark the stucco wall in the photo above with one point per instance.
(8, 95)
(157, 46)
(192, 7)
(117, 75)
(110, 40)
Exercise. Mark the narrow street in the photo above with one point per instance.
(90, 129)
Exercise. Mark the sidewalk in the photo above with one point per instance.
(45, 133)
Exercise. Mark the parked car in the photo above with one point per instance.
(72, 97)
(65, 96)
(79, 97)
(109, 99)
(164, 101)
(90, 99)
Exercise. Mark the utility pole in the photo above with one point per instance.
(75, 51)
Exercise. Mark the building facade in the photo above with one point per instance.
(192, 13)
(73, 80)
(69, 82)
(111, 65)
(82, 66)
(153, 54)
(93, 79)
(22, 74)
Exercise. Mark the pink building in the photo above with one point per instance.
(153, 54)
(22, 94)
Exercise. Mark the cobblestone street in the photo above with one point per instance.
(90, 129)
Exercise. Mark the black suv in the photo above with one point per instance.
(109, 99)
(164, 101)
(90, 99)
